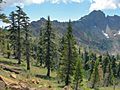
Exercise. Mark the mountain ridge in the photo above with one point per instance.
(95, 30)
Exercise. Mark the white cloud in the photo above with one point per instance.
(104, 4)
(28, 2)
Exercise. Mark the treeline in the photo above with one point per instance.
(72, 63)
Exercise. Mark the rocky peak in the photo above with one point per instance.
(95, 29)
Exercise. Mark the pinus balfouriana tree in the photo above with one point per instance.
(68, 56)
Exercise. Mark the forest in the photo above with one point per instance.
(49, 62)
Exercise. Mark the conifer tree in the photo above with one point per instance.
(118, 71)
(68, 56)
(78, 74)
(114, 66)
(86, 60)
(60, 50)
(92, 59)
(13, 33)
(49, 44)
(18, 22)
(25, 24)
(106, 61)
(40, 51)
(2, 41)
(108, 77)
(95, 75)
(8, 49)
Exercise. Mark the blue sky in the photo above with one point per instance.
(62, 10)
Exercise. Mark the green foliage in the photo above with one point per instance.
(49, 46)
(114, 66)
(118, 71)
(106, 61)
(95, 75)
(78, 76)
(86, 60)
(40, 48)
(68, 56)
(92, 59)
(13, 33)
(78, 70)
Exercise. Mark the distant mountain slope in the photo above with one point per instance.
(94, 30)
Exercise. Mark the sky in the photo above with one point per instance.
(61, 10)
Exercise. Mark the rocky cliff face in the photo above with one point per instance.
(95, 30)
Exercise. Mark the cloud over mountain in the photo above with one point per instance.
(94, 4)
(104, 4)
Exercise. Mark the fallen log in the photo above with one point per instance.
(9, 69)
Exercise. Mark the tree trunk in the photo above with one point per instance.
(76, 86)
(8, 52)
(48, 54)
(48, 71)
(19, 44)
(28, 57)
(69, 62)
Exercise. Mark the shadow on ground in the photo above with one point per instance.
(44, 77)
(8, 63)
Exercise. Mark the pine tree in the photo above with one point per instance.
(114, 66)
(19, 25)
(86, 60)
(49, 45)
(18, 22)
(108, 77)
(118, 71)
(2, 41)
(5, 43)
(25, 24)
(13, 33)
(8, 49)
(78, 74)
(60, 50)
(68, 56)
(92, 59)
(95, 75)
(40, 51)
(106, 61)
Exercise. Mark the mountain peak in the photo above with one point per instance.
(97, 13)
(42, 19)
